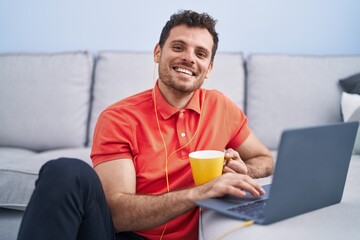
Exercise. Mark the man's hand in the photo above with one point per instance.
(231, 183)
(233, 163)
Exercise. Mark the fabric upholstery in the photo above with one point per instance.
(350, 106)
(351, 84)
(44, 99)
(287, 91)
(18, 175)
(9, 223)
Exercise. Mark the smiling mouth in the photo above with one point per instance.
(184, 71)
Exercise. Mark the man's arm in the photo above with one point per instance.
(252, 157)
(133, 212)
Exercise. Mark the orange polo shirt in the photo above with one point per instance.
(129, 129)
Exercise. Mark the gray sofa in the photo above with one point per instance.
(50, 102)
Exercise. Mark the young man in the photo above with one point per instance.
(141, 146)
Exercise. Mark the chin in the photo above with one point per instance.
(188, 88)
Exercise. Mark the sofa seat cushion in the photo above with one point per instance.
(12, 154)
(10, 221)
(45, 99)
(19, 170)
(289, 91)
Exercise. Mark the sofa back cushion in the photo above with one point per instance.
(285, 91)
(122, 74)
(44, 99)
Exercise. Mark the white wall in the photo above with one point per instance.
(274, 26)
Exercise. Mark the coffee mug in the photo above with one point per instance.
(206, 165)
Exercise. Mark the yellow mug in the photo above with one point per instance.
(206, 165)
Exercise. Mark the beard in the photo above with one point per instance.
(179, 85)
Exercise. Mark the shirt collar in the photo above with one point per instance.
(167, 111)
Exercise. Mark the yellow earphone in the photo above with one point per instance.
(167, 156)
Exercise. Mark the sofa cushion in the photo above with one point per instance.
(46, 97)
(19, 171)
(121, 74)
(11, 154)
(287, 91)
(350, 103)
(350, 107)
(10, 221)
(351, 84)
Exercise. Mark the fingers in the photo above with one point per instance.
(235, 184)
(245, 183)
(234, 166)
(233, 163)
(231, 154)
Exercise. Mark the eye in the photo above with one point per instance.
(201, 55)
(177, 48)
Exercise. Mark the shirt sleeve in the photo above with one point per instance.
(239, 122)
(112, 138)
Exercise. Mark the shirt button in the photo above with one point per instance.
(183, 134)
(181, 114)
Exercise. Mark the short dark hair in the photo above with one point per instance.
(191, 19)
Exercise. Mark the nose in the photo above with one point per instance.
(188, 56)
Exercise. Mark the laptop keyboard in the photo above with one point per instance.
(255, 210)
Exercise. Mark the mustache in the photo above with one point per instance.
(185, 64)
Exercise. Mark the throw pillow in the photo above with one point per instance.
(350, 106)
(351, 84)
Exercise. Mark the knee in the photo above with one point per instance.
(66, 172)
(66, 178)
(65, 164)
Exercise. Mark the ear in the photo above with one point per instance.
(157, 53)
(209, 70)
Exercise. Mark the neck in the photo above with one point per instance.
(177, 99)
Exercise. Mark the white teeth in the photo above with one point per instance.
(182, 70)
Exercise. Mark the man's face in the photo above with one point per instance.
(185, 59)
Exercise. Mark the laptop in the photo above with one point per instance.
(310, 173)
